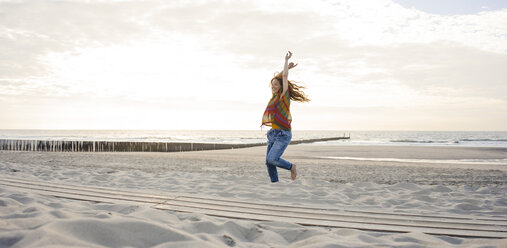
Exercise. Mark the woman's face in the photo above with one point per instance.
(275, 86)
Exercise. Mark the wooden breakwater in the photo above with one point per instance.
(126, 146)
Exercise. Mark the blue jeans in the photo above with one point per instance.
(278, 140)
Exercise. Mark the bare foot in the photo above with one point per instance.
(293, 172)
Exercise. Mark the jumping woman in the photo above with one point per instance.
(277, 115)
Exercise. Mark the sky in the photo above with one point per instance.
(206, 64)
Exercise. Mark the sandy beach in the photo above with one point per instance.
(139, 123)
(398, 179)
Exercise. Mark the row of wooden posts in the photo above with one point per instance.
(125, 146)
(110, 146)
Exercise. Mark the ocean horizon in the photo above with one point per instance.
(400, 138)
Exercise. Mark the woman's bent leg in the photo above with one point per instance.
(280, 143)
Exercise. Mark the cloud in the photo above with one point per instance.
(453, 7)
(435, 65)
(411, 48)
(32, 29)
(350, 53)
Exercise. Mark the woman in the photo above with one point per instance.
(277, 115)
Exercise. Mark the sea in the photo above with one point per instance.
(403, 138)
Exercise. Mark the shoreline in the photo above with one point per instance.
(358, 137)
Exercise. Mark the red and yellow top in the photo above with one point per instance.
(277, 113)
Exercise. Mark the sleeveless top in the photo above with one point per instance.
(277, 113)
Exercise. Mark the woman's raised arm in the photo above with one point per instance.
(285, 73)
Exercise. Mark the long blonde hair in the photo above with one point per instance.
(295, 91)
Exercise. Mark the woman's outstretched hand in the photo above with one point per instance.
(292, 65)
(288, 55)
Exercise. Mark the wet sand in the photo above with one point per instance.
(310, 159)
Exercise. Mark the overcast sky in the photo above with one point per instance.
(367, 64)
